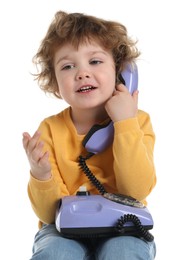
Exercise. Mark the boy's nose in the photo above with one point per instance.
(82, 75)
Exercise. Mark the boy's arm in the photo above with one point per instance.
(133, 156)
(45, 195)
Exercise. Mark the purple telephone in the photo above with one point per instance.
(101, 136)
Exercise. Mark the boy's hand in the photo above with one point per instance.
(39, 163)
(122, 105)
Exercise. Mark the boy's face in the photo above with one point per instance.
(85, 76)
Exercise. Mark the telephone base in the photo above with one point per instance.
(94, 215)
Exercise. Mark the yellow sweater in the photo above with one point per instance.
(125, 167)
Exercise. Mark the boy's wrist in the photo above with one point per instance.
(42, 177)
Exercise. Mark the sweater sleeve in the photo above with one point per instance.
(133, 156)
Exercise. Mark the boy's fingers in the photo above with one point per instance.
(135, 95)
(121, 87)
(25, 139)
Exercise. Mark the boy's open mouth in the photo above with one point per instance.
(86, 89)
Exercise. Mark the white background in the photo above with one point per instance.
(23, 105)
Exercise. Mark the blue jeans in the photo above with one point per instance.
(50, 245)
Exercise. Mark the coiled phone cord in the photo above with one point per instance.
(142, 232)
(89, 174)
(136, 221)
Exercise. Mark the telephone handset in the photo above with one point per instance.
(101, 136)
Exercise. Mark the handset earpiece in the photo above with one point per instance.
(101, 136)
(129, 77)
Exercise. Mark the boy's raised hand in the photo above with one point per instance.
(38, 159)
(122, 105)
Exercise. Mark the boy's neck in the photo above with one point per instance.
(84, 120)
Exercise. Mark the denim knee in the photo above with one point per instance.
(49, 244)
(125, 248)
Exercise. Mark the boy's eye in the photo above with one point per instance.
(68, 67)
(95, 62)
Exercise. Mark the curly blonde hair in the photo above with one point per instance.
(77, 28)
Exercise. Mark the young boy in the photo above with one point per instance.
(81, 59)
